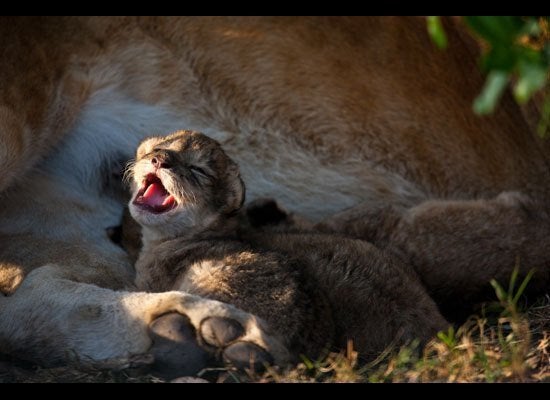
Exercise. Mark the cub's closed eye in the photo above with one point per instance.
(199, 172)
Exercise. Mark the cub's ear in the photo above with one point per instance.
(235, 191)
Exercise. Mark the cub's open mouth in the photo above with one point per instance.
(153, 196)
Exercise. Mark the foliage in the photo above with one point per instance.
(516, 51)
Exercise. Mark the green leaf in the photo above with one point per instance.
(530, 55)
(500, 57)
(496, 29)
(532, 77)
(494, 86)
(436, 31)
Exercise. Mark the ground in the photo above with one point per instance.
(503, 345)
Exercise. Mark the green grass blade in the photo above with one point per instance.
(523, 285)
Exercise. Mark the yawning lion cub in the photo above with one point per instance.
(323, 292)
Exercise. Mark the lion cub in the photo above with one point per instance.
(186, 196)
(315, 290)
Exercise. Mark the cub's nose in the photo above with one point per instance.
(161, 159)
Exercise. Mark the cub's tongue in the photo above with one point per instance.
(157, 197)
(154, 195)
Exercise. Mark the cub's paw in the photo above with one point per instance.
(224, 335)
(207, 333)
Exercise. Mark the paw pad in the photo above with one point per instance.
(219, 332)
(175, 347)
(247, 355)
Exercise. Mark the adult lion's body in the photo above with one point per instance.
(321, 113)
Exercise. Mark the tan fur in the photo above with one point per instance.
(321, 113)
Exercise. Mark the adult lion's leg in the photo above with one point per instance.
(52, 318)
(457, 247)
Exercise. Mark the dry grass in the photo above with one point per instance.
(502, 345)
(515, 347)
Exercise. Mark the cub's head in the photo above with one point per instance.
(184, 184)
